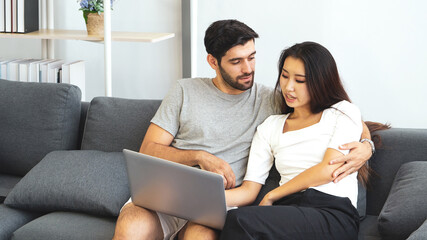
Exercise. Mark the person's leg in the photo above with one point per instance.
(196, 231)
(137, 223)
(318, 216)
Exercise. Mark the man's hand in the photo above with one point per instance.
(214, 164)
(359, 154)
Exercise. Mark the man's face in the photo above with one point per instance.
(237, 67)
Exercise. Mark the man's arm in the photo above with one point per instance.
(359, 154)
(157, 142)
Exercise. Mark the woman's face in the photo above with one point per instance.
(293, 83)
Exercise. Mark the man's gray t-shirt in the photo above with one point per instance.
(201, 117)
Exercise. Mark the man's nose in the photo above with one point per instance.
(247, 67)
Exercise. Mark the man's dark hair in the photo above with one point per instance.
(225, 34)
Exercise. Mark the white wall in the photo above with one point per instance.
(139, 70)
(379, 46)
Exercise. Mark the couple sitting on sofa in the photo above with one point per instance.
(211, 123)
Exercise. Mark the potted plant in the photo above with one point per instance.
(93, 13)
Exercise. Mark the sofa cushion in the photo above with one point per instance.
(113, 124)
(406, 206)
(12, 219)
(7, 182)
(420, 234)
(67, 226)
(84, 181)
(399, 146)
(368, 228)
(36, 118)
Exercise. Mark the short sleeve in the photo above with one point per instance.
(261, 156)
(168, 114)
(347, 122)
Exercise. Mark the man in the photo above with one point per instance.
(210, 123)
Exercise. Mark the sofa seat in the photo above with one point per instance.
(67, 225)
(11, 219)
(7, 182)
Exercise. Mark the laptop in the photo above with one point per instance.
(176, 189)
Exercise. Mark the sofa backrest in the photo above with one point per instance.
(113, 124)
(83, 115)
(35, 119)
(399, 146)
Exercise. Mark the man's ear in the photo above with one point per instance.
(212, 62)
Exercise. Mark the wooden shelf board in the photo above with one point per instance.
(82, 35)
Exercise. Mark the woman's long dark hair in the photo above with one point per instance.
(323, 83)
(321, 74)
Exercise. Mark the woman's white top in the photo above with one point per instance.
(296, 151)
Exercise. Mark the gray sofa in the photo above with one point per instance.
(63, 176)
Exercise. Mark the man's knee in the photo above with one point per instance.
(137, 223)
(196, 231)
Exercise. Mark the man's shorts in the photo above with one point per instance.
(171, 225)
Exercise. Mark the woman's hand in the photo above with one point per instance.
(266, 201)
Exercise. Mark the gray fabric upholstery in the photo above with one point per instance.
(83, 115)
(36, 119)
(67, 226)
(400, 145)
(368, 228)
(84, 181)
(406, 207)
(420, 234)
(12, 219)
(361, 200)
(114, 123)
(7, 182)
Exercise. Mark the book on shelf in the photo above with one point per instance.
(34, 69)
(2, 12)
(52, 70)
(3, 69)
(74, 73)
(13, 69)
(24, 71)
(43, 72)
(14, 16)
(27, 15)
(19, 16)
(7, 16)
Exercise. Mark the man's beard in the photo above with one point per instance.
(234, 83)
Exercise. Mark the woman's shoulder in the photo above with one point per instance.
(275, 118)
(272, 122)
(345, 108)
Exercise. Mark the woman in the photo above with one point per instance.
(317, 118)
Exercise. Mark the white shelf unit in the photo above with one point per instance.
(47, 33)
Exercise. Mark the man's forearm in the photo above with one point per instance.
(365, 132)
(187, 157)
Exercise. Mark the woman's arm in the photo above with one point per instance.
(243, 195)
(259, 164)
(317, 175)
(359, 154)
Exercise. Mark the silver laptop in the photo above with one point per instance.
(176, 189)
